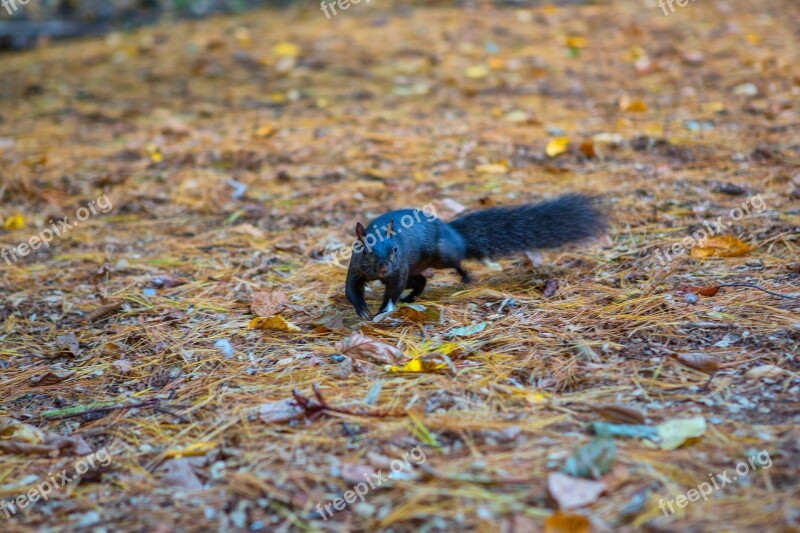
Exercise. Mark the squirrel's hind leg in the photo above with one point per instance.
(464, 275)
(416, 283)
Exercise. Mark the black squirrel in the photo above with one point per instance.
(398, 246)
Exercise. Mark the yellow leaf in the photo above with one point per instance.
(286, 49)
(276, 322)
(242, 36)
(721, 246)
(14, 222)
(494, 168)
(575, 41)
(753, 38)
(632, 105)
(418, 366)
(264, 132)
(556, 146)
(198, 448)
(155, 153)
(477, 71)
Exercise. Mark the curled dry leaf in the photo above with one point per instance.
(620, 413)
(357, 345)
(267, 303)
(699, 361)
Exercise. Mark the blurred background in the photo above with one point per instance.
(22, 26)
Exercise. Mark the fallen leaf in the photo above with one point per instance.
(467, 330)
(419, 365)
(14, 222)
(572, 492)
(556, 146)
(68, 343)
(276, 322)
(675, 432)
(494, 168)
(180, 473)
(421, 314)
(565, 523)
(52, 377)
(699, 361)
(632, 105)
(12, 429)
(550, 288)
(477, 71)
(764, 371)
(720, 246)
(279, 411)
(357, 345)
(619, 413)
(286, 49)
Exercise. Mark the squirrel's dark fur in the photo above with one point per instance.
(398, 246)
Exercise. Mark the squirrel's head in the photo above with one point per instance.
(379, 251)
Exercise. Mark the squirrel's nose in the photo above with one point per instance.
(383, 270)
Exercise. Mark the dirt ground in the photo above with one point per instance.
(188, 188)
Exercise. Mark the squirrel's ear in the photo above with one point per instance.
(360, 231)
(390, 228)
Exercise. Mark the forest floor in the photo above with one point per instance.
(177, 314)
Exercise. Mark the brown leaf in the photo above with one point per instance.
(358, 345)
(279, 411)
(565, 523)
(168, 282)
(620, 413)
(68, 343)
(572, 492)
(179, 473)
(699, 361)
(267, 303)
(550, 288)
(103, 312)
(52, 377)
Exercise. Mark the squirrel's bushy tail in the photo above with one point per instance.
(501, 231)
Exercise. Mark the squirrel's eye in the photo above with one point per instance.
(394, 249)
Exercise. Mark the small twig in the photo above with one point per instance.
(96, 410)
(754, 286)
(314, 410)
